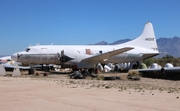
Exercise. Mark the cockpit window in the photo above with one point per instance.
(27, 49)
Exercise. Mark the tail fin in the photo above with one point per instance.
(147, 39)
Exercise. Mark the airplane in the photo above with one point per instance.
(10, 64)
(87, 56)
(5, 59)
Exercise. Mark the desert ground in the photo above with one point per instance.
(57, 92)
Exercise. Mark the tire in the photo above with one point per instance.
(135, 78)
(110, 78)
(79, 76)
(129, 77)
(85, 73)
(94, 75)
(74, 74)
(118, 78)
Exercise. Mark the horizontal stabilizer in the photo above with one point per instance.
(105, 56)
(146, 56)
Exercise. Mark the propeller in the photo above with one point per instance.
(61, 56)
(19, 55)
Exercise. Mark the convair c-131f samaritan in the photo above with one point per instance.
(86, 56)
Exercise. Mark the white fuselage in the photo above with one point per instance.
(49, 54)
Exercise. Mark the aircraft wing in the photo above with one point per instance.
(172, 69)
(150, 70)
(166, 69)
(11, 67)
(105, 56)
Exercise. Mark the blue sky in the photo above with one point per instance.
(25, 22)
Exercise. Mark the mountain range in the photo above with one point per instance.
(170, 46)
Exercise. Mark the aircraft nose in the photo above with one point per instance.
(14, 57)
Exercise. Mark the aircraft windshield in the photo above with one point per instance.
(27, 49)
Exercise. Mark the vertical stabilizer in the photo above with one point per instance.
(147, 39)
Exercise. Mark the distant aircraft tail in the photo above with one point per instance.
(147, 39)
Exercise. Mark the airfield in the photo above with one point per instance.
(58, 92)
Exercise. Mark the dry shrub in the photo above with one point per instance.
(133, 73)
(100, 77)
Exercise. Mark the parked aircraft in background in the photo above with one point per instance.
(5, 59)
(166, 72)
(86, 56)
(10, 64)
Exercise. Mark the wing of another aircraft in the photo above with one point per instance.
(150, 70)
(11, 67)
(105, 56)
(166, 69)
(20, 67)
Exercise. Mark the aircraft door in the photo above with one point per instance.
(44, 56)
